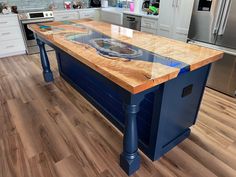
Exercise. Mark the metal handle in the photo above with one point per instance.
(7, 33)
(225, 16)
(178, 3)
(3, 22)
(215, 47)
(173, 3)
(10, 46)
(219, 17)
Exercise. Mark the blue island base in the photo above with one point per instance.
(155, 120)
(165, 112)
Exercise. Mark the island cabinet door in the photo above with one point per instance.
(176, 108)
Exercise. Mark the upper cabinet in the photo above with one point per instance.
(174, 18)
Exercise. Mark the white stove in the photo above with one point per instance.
(33, 17)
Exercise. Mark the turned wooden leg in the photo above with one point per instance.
(47, 73)
(130, 159)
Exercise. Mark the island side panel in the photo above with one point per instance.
(108, 99)
(176, 109)
(125, 110)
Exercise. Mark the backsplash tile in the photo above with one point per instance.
(37, 4)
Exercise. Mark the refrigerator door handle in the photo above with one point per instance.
(178, 3)
(219, 17)
(225, 16)
(173, 3)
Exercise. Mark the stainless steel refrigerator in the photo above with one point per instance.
(213, 25)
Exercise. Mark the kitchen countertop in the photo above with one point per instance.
(75, 10)
(142, 14)
(114, 10)
(4, 15)
(137, 61)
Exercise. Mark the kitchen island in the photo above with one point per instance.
(148, 86)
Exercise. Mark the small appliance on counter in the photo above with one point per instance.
(67, 5)
(151, 8)
(5, 8)
(77, 4)
(14, 9)
(95, 3)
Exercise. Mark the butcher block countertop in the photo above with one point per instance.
(133, 60)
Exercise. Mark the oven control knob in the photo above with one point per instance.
(46, 14)
(51, 14)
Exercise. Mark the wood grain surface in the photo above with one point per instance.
(50, 130)
(133, 75)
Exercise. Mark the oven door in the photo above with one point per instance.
(29, 36)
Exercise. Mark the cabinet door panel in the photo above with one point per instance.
(167, 10)
(183, 13)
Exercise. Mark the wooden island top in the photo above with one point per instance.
(134, 60)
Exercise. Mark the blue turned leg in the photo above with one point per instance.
(130, 159)
(47, 73)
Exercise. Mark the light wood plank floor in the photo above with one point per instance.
(50, 130)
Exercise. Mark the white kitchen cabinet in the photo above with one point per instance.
(65, 15)
(111, 16)
(148, 30)
(93, 14)
(149, 25)
(174, 19)
(11, 39)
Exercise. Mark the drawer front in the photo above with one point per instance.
(7, 21)
(66, 16)
(10, 33)
(112, 18)
(87, 14)
(148, 30)
(149, 23)
(11, 46)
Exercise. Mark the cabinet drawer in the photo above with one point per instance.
(87, 14)
(113, 18)
(6, 21)
(10, 33)
(149, 23)
(11, 46)
(148, 30)
(66, 16)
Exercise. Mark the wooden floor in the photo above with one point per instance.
(50, 130)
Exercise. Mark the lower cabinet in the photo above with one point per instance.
(112, 17)
(11, 39)
(65, 15)
(93, 14)
(148, 30)
(149, 25)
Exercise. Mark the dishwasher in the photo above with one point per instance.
(132, 22)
